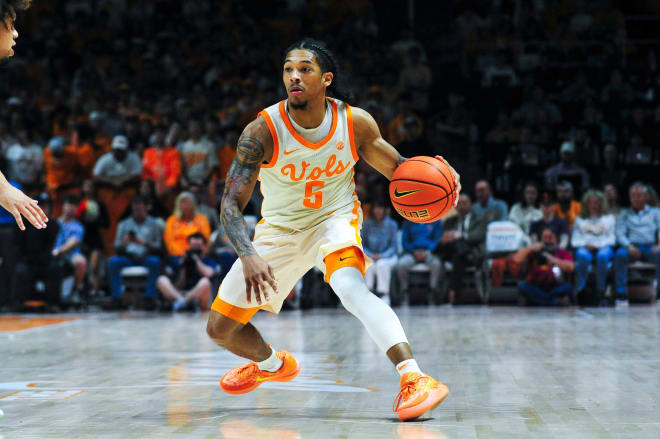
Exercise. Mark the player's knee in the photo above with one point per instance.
(221, 329)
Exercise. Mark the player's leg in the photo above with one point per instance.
(229, 320)
(244, 340)
(344, 270)
(237, 337)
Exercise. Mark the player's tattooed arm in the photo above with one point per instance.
(239, 184)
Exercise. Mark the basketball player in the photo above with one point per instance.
(12, 199)
(303, 151)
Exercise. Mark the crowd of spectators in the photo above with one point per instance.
(122, 118)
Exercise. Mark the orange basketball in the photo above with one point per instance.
(423, 189)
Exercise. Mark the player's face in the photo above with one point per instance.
(303, 78)
(8, 35)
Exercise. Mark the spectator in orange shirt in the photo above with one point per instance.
(161, 164)
(227, 153)
(567, 208)
(87, 149)
(101, 140)
(396, 132)
(185, 221)
(61, 164)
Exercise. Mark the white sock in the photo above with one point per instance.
(270, 364)
(408, 366)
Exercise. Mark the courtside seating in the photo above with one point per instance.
(503, 238)
(642, 287)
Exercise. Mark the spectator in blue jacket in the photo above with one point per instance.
(68, 244)
(491, 207)
(637, 231)
(379, 243)
(419, 242)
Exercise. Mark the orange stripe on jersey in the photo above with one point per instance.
(298, 137)
(346, 257)
(240, 315)
(276, 143)
(355, 222)
(351, 138)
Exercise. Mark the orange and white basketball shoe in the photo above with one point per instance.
(246, 378)
(419, 394)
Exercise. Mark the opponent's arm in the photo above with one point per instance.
(378, 152)
(254, 147)
(17, 203)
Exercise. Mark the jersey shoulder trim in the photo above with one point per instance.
(273, 133)
(298, 137)
(351, 135)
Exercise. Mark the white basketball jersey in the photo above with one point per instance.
(306, 182)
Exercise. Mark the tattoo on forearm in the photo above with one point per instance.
(243, 170)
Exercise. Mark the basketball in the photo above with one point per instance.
(423, 189)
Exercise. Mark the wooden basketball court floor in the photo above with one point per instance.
(513, 373)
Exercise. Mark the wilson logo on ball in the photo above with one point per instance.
(398, 194)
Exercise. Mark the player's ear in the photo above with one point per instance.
(327, 78)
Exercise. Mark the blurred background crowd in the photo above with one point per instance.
(122, 117)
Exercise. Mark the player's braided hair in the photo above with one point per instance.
(8, 9)
(328, 63)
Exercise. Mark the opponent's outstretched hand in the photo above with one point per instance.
(258, 275)
(17, 203)
(457, 177)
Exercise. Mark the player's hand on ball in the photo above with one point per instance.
(17, 203)
(258, 275)
(457, 178)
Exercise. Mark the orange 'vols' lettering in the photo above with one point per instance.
(316, 172)
(290, 170)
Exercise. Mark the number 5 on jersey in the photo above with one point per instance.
(313, 195)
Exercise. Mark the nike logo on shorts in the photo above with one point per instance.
(343, 259)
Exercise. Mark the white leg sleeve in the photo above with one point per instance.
(382, 324)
